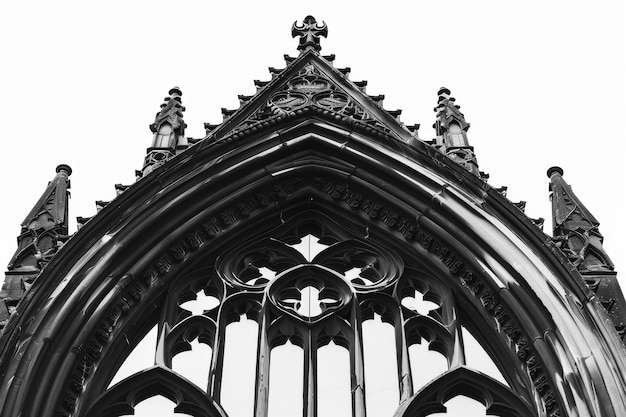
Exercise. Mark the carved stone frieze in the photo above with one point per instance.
(219, 237)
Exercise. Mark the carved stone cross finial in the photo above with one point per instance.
(309, 33)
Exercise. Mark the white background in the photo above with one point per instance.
(540, 82)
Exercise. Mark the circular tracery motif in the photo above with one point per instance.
(254, 266)
(288, 101)
(242, 268)
(309, 292)
(309, 84)
(379, 268)
(332, 100)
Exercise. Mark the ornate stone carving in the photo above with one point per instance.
(386, 241)
(451, 130)
(574, 227)
(44, 231)
(45, 228)
(576, 232)
(171, 113)
(169, 130)
(154, 159)
(309, 90)
(285, 293)
(309, 33)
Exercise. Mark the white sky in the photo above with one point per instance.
(540, 82)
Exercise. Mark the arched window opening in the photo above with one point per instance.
(194, 364)
(456, 136)
(477, 358)
(334, 398)
(354, 275)
(312, 303)
(162, 137)
(156, 406)
(381, 368)
(418, 304)
(461, 406)
(239, 371)
(201, 304)
(285, 381)
(140, 358)
(267, 274)
(309, 247)
(426, 364)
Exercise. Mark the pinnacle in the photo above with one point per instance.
(451, 130)
(171, 112)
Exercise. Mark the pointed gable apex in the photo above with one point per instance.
(310, 84)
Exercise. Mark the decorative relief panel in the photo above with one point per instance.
(310, 88)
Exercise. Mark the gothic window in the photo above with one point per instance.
(456, 136)
(312, 257)
(313, 321)
(163, 138)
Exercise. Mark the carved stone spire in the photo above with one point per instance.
(576, 232)
(45, 227)
(309, 33)
(44, 231)
(575, 228)
(171, 114)
(169, 132)
(451, 129)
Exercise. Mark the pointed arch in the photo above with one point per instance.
(497, 398)
(503, 274)
(122, 397)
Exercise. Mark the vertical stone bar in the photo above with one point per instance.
(167, 320)
(458, 352)
(310, 375)
(261, 396)
(404, 365)
(214, 386)
(357, 366)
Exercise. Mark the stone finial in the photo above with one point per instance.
(309, 33)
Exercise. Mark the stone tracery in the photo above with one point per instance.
(210, 239)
